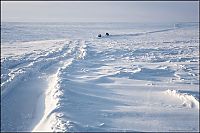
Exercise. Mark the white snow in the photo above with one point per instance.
(133, 80)
(186, 99)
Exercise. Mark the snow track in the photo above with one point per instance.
(43, 69)
(51, 120)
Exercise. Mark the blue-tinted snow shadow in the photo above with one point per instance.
(146, 74)
(88, 106)
(19, 108)
(193, 93)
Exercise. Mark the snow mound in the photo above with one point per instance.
(186, 98)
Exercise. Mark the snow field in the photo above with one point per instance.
(145, 81)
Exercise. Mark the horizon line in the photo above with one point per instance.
(93, 22)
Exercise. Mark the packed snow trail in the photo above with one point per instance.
(125, 82)
(35, 74)
(50, 121)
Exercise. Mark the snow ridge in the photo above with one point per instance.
(52, 119)
(187, 99)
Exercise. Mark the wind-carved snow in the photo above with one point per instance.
(119, 82)
(35, 65)
(187, 99)
(42, 66)
(52, 120)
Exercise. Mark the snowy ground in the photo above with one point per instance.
(138, 80)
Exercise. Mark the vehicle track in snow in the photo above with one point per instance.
(28, 79)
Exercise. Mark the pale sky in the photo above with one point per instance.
(99, 11)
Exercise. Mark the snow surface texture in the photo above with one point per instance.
(140, 78)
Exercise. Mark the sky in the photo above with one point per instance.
(99, 11)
